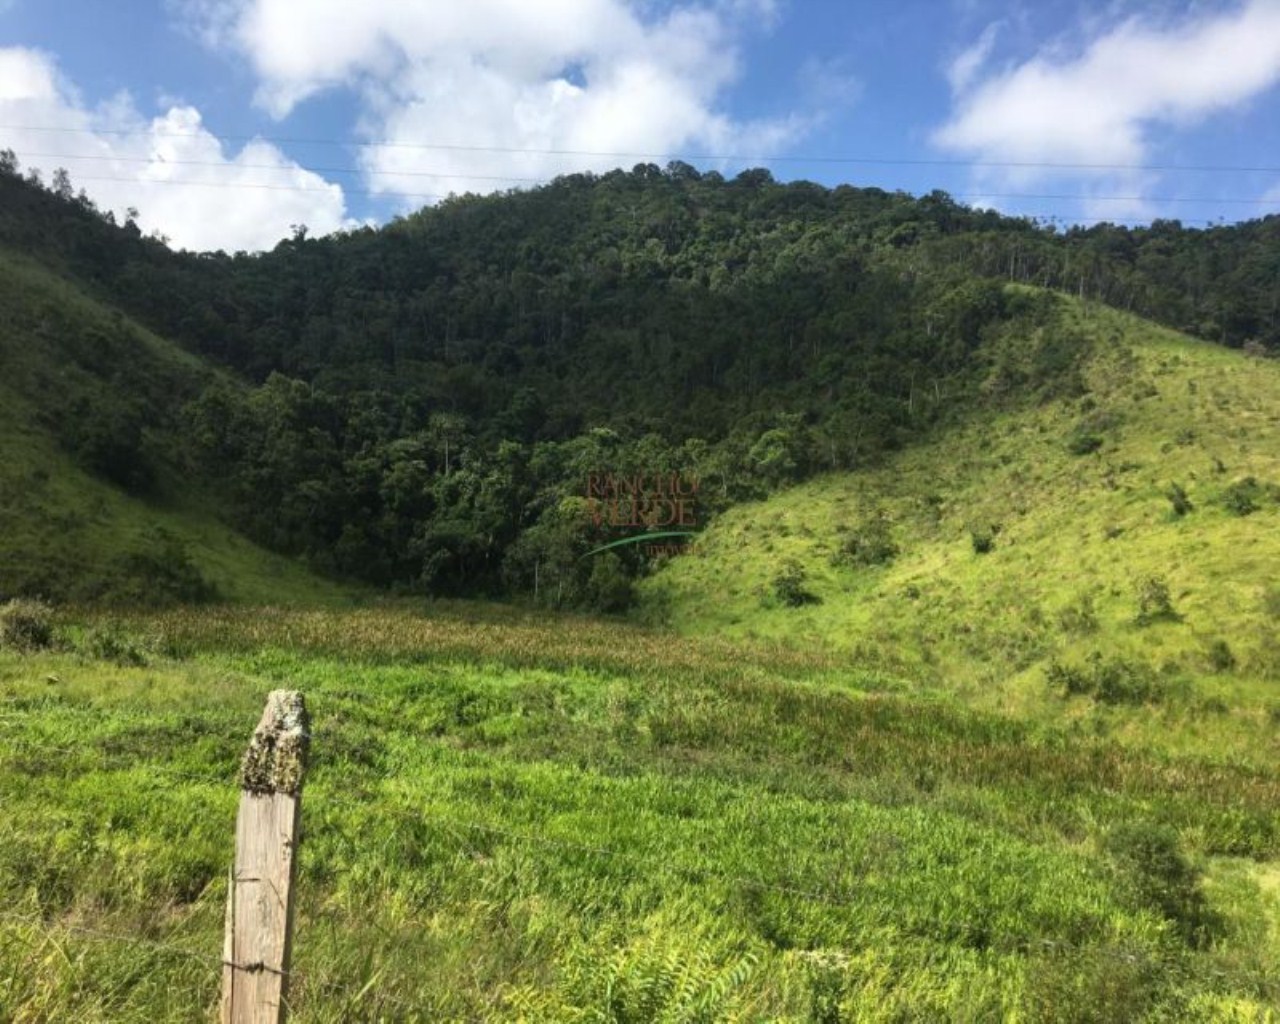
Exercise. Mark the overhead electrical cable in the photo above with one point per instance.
(151, 131)
(393, 192)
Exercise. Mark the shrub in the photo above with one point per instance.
(1088, 434)
(26, 625)
(1073, 985)
(983, 538)
(1154, 601)
(1071, 680)
(108, 439)
(609, 588)
(1113, 681)
(1241, 498)
(1179, 500)
(164, 573)
(1122, 682)
(107, 643)
(1080, 617)
(870, 544)
(1221, 657)
(1082, 442)
(789, 586)
(1165, 879)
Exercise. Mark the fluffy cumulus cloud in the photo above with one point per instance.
(477, 96)
(1099, 107)
(170, 168)
(1077, 126)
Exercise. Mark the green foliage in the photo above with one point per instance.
(790, 586)
(108, 642)
(74, 367)
(1166, 879)
(1083, 442)
(1241, 498)
(870, 543)
(106, 437)
(1097, 986)
(609, 588)
(1246, 496)
(1178, 499)
(162, 572)
(1220, 656)
(1079, 618)
(26, 625)
(1155, 603)
(412, 399)
(1106, 680)
(982, 537)
(781, 455)
(666, 980)
(1090, 432)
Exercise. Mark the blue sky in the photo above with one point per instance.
(225, 122)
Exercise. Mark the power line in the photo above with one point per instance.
(271, 167)
(258, 185)
(1078, 197)
(1064, 217)
(688, 157)
(1207, 200)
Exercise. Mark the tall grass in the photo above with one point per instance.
(516, 818)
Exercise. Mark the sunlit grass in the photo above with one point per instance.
(519, 817)
(1077, 537)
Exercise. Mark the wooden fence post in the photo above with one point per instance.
(256, 949)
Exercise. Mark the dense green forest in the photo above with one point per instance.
(419, 406)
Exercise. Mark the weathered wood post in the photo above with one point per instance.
(255, 956)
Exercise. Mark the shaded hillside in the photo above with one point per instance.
(96, 500)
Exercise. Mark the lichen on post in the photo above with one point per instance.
(277, 754)
(258, 941)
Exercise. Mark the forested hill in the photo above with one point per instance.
(420, 404)
(532, 267)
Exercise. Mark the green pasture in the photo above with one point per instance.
(512, 817)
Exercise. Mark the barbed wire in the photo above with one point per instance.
(979, 932)
(988, 936)
(303, 981)
(210, 778)
(37, 922)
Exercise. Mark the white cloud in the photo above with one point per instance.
(509, 80)
(829, 83)
(171, 168)
(1098, 106)
(966, 64)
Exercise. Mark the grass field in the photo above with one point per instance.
(519, 818)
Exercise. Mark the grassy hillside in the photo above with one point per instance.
(1064, 617)
(94, 503)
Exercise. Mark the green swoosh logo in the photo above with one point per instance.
(641, 538)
